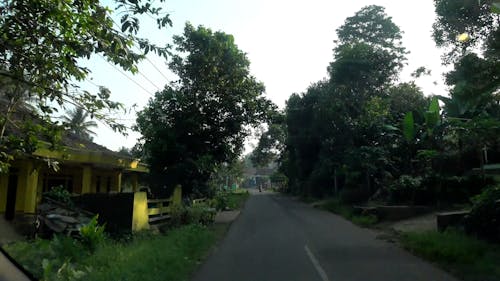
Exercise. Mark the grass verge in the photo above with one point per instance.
(335, 206)
(466, 257)
(236, 201)
(173, 256)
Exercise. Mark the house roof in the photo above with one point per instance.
(74, 148)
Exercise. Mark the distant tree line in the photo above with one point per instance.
(361, 134)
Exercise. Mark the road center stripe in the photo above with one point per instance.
(316, 264)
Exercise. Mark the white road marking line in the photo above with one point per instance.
(316, 264)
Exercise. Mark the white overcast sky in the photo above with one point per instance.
(289, 44)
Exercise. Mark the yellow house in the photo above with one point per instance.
(84, 167)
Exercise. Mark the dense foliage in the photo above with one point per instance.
(361, 134)
(200, 121)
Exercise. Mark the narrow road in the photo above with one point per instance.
(276, 238)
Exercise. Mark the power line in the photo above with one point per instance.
(147, 59)
(157, 69)
(158, 88)
(124, 74)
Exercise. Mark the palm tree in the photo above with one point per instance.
(76, 120)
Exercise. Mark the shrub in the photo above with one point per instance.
(337, 207)
(405, 188)
(484, 218)
(220, 201)
(92, 234)
(178, 215)
(364, 220)
(60, 194)
(200, 213)
(354, 195)
(67, 271)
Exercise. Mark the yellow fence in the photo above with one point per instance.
(148, 212)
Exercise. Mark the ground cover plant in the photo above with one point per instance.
(146, 256)
(336, 206)
(464, 256)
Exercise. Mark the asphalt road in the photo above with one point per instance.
(276, 238)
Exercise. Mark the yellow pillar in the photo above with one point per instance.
(87, 179)
(3, 191)
(140, 217)
(177, 195)
(31, 188)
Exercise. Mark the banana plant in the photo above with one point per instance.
(432, 116)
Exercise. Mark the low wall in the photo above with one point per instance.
(115, 210)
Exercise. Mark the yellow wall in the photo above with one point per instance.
(32, 175)
(140, 217)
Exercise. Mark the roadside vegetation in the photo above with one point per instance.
(143, 256)
(347, 211)
(465, 256)
(171, 254)
(363, 136)
(359, 135)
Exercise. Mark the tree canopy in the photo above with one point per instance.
(200, 121)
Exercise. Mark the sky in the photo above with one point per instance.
(289, 45)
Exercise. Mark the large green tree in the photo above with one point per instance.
(473, 106)
(42, 46)
(201, 120)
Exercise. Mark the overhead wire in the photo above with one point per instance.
(128, 77)
(147, 59)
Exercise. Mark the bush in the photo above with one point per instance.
(50, 259)
(484, 218)
(354, 195)
(178, 215)
(405, 189)
(337, 207)
(220, 201)
(60, 194)
(92, 234)
(200, 213)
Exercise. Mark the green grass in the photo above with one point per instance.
(237, 200)
(335, 206)
(173, 256)
(464, 256)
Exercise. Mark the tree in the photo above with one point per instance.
(77, 123)
(200, 120)
(368, 57)
(470, 17)
(271, 142)
(473, 107)
(43, 44)
(335, 133)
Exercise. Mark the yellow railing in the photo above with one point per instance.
(159, 209)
